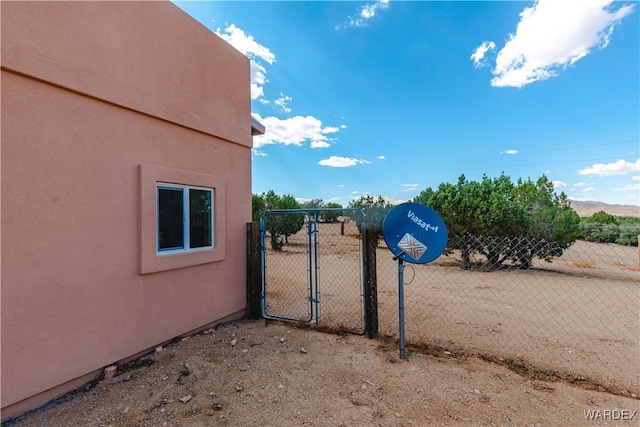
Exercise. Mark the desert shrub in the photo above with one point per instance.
(504, 221)
(612, 229)
(628, 234)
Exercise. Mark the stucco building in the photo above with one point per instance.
(126, 187)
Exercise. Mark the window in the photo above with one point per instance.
(185, 218)
(182, 219)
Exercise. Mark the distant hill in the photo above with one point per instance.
(589, 208)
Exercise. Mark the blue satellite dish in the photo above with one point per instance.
(415, 233)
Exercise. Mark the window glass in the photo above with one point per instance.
(170, 218)
(185, 217)
(181, 222)
(200, 232)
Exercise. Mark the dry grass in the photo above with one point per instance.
(584, 264)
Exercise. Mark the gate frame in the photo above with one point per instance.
(313, 268)
(263, 264)
(254, 276)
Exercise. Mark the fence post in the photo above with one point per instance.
(370, 243)
(254, 271)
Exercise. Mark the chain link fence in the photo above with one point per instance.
(316, 276)
(576, 317)
(572, 313)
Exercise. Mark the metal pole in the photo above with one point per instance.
(401, 305)
(370, 280)
(316, 267)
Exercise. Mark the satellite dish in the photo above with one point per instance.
(415, 233)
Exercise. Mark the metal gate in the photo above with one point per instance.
(312, 268)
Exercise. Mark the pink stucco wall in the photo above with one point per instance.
(93, 94)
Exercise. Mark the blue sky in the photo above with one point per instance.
(391, 97)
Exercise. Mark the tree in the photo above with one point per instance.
(290, 223)
(474, 211)
(602, 217)
(552, 219)
(284, 224)
(271, 201)
(312, 204)
(325, 215)
(257, 206)
(331, 216)
(374, 211)
(503, 221)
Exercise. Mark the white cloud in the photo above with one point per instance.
(511, 151)
(247, 45)
(394, 201)
(258, 79)
(330, 129)
(621, 167)
(581, 184)
(410, 187)
(381, 158)
(341, 162)
(636, 177)
(478, 55)
(292, 131)
(630, 187)
(320, 144)
(559, 184)
(367, 12)
(282, 102)
(588, 190)
(551, 36)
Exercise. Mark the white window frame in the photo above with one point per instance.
(151, 261)
(186, 219)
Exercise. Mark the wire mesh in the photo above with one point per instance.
(286, 263)
(571, 313)
(577, 316)
(316, 276)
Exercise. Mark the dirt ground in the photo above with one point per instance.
(268, 373)
(577, 316)
(257, 373)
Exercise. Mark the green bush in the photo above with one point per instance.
(605, 228)
(279, 225)
(375, 209)
(499, 219)
(628, 234)
(331, 216)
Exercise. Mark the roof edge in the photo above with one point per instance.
(257, 128)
